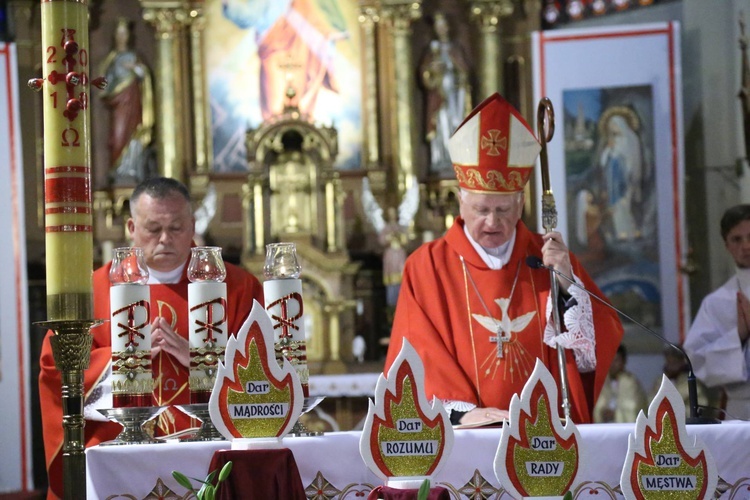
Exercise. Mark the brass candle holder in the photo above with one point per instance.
(71, 350)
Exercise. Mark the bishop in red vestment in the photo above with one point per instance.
(476, 313)
(163, 225)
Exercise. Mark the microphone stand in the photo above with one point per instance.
(536, 263)
(545, 113)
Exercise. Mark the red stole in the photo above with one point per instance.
(170, 377)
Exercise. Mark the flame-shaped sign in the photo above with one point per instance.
(537, 455)
(404, 436)
(254, 397)
(661, 462)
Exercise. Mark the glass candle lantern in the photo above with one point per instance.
(281, 261)
(206, 264)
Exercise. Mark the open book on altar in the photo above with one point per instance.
(489, 423)
(484, 423)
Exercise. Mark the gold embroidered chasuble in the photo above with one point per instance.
(456, 326)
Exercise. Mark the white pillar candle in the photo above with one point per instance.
(130, 316)
(209, 330)
(285, 306)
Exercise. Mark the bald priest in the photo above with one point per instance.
(476, 313)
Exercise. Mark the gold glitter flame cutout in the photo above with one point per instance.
(249, 399)
(661, 463)
(404, 434)
(521, 451)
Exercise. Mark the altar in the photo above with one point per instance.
(330, 466)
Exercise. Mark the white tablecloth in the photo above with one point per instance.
(344, 385)
(331, 467)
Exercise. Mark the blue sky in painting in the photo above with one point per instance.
(590, 98)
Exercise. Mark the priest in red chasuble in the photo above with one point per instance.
(162, 223)
(476, 313)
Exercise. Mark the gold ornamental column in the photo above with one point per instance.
(400, 14)
(517, 46)
(253, 216)
(488, 13)
(169, 18)
(369, 16)
(201, 108)
(334, 233)
(333, 311)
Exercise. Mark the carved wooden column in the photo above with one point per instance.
(368, 18)
(169, 18)
(488, 13)
(400, 14)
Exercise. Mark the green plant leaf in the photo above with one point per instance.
(182, 480)
(568, 496)
(203, 491)
(225, 471)
(207, 490)
(424, 490)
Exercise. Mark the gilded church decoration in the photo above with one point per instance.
(256, 49)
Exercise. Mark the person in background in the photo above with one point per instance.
(622, 395)
(717, 341)
(676, 370)
(162, 223)
(471, 305)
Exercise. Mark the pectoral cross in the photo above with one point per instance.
(503, 327)
(501, 338)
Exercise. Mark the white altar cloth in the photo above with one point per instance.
(331, 467)
(346, 385)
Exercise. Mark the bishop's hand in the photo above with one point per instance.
(482, 415)
(555, 254)
(164, 338)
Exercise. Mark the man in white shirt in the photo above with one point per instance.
(717, 340)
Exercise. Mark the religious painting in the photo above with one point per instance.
(263, 55)
(616, 163)
(611, 195)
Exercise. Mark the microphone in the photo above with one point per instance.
(535, 262)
